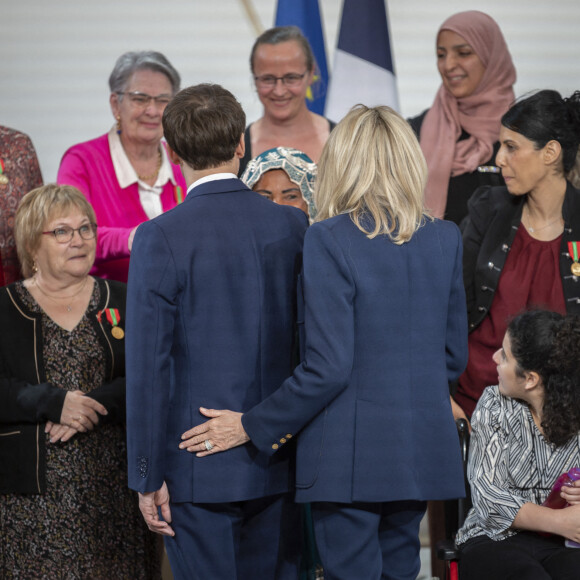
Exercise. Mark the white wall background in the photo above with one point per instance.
(56, 55)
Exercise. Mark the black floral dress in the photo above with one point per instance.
(87, 525)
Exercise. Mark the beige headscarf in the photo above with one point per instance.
(479, 113)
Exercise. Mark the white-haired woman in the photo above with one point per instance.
(126, 174)
(386, 330)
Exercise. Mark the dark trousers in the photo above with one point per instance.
(243, 540)
(370, 541)
(525, 556)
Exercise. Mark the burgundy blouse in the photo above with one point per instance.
(529, 279)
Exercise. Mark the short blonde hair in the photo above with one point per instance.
(372, 167)
(36, 209)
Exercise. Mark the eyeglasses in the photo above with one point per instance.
(142, 100)
(65, 234)
(269, 81)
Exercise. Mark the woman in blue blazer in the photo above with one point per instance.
(386, 330)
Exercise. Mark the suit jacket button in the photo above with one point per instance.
(282, 440)
(275, 446)
(288, 435)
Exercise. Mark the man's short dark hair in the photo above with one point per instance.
(203, 124)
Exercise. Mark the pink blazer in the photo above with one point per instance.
(89, 167)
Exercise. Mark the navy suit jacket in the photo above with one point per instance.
(386, 330)
(210, 322)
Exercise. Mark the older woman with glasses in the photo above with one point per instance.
(126, 174)
(64, 501)
(283, 67)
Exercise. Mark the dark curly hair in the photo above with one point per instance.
(549, 344)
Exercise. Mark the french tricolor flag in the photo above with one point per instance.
(363, 65)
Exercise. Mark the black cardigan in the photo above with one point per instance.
(27, 401)
(461, 187)
(490, 229)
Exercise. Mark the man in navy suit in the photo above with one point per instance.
(386, 331)
(211, 321)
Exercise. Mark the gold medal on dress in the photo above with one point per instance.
(113, 318)
(575, 268)
(117, 332)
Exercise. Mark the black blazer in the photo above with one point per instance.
(27, 401)
(494, 217)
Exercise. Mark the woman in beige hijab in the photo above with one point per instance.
(459, 133)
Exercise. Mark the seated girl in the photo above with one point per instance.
(526, 433)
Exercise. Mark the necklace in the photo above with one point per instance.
(153, 175)
(70, 298)
(533, 230)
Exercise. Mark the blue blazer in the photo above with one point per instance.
(386, 330)
(210, 322)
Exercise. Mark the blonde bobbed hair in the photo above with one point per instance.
(372, 168)
(36, 209)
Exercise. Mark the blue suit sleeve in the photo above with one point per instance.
(456, 352)
(329, 291)
(151, 311)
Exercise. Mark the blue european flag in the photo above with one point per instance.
(306, 15)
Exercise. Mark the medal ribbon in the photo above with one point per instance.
(573, 250)
(2, 166)
(179, 197)
(113, 316)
